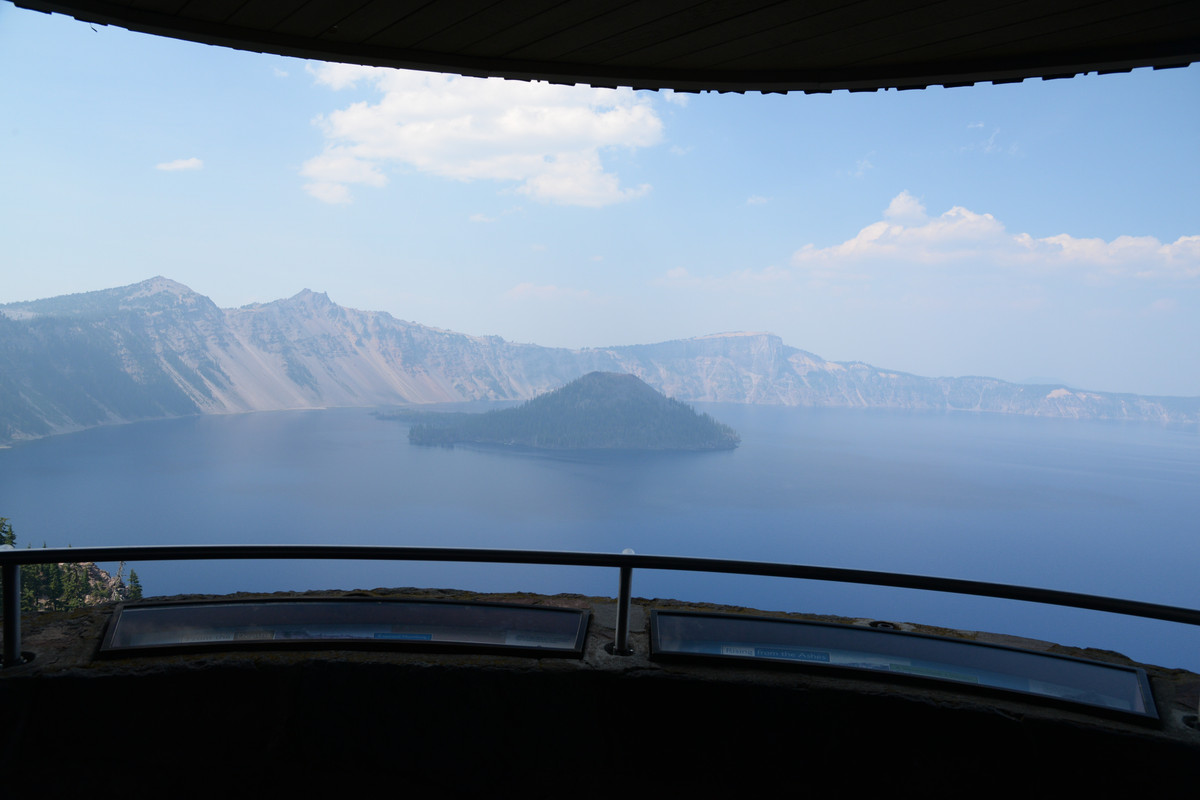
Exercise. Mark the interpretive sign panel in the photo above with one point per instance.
(346, 622)
(821, 645)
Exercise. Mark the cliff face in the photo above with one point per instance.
(158, 349)
(138, 352)
(310, 351)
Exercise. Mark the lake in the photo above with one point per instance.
(1104, 508)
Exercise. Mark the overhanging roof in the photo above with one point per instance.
(690, 45)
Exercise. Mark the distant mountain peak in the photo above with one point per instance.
(735, 335)
(308, 299)
(155, 294)
(159, 285)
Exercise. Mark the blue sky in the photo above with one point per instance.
(1044, 229)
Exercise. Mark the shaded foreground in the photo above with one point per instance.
(604, 724)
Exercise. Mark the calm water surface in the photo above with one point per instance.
(1097, 507)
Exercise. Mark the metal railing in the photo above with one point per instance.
(11, 560)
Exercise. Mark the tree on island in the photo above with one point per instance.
(600, 411)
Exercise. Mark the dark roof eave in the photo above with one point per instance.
(1045, 64)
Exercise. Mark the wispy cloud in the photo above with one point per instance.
(180, 164)
(547, 140)
(960, 237)
(986, 263)
(992, 144)
(756, 200)
(332, 193)
(1163, 306)
(675, 98)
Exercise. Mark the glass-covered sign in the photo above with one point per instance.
(347, 622)
(823, 645)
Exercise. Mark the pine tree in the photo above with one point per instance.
(7, 537)
(62, 587)
(134, 590)
(75, 587)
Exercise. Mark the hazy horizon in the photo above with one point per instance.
(1032, 380)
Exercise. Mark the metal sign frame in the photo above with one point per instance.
(361, 623)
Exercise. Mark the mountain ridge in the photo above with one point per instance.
(159, 349)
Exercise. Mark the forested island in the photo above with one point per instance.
(600, 411)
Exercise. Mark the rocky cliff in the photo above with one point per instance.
(158, 349)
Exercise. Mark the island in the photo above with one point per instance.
(600, 411)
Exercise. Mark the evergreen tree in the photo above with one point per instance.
(75, 586)
(134, 591)
(7, 537)
(62, 587)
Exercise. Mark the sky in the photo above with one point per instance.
(1046, 230)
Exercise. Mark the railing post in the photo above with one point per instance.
(621, 642)
(11, 576)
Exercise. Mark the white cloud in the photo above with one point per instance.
(339, 76)
(1139, 256)
(905, 209)
(961, 237)
(338, 165)
(331, 193)
(180, 164)
(958, 259)
(481, 218)
(756, 200)
(546, 139)
(675, 98)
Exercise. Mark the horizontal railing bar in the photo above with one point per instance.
(221, 552)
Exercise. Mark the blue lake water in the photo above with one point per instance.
(1097, 507)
